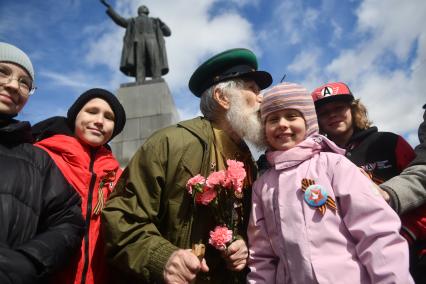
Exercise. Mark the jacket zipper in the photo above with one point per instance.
(88, 216)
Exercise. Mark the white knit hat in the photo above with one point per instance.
(10, 53)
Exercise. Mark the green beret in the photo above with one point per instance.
(230, 64)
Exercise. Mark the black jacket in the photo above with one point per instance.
(382, 154)
(40, 216)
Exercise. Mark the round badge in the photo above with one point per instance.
(316, 195)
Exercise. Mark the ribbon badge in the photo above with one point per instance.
(316, 196)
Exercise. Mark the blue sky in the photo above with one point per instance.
(378, 47)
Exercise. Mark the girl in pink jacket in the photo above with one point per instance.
(316, 218)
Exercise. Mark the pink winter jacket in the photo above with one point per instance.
(291, 242)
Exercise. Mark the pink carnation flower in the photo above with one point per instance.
(220, 236)
(216, 178)
(235, 174)
(206, 196)
(193, 182)
(234, 164)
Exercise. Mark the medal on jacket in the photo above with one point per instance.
(316, 196)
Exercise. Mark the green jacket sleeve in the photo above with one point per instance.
(134, 243)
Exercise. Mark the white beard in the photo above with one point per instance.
(245, 121)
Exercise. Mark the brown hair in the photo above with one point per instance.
(359, 113)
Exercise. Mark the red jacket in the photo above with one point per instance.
(93, 173)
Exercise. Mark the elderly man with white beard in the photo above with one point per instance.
(151, 221)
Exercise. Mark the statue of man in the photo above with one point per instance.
(144, 50)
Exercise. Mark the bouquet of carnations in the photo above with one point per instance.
(222, 191)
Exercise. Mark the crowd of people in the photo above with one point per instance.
(332, 200)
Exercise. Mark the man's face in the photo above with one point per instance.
(243, 113)
(250, 93)
(12, 96)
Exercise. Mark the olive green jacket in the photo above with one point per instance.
(150, 215)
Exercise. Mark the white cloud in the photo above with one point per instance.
(241, 3)
(187, 113)
(105, 45)
(69, 80)
(196, 35)
(289, 21)
(200, 37)
(295, 19)
(305, 61)
(382, 57)
(384, 27)
(310, 18)
(389, 37)
(391, 101)
(337, 32)
(413, 139)
(394, 97)
(393, 24)
(38, 111)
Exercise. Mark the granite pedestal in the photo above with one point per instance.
(149, 107)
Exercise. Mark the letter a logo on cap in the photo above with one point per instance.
(331, 92)
(327, 91)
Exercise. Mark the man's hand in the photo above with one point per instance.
(236, 255)
(105, 3)
(182, 267)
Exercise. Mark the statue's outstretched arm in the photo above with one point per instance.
(105, 3)
(119, 20)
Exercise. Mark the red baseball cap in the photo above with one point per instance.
(332, 92)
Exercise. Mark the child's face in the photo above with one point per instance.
(284, 129)
(94, 123)
(335, 118)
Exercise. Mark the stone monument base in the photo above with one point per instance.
(149, 107)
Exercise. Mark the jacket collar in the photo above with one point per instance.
(51, 126)
(14, 132)
(200, 127)
(361, 134)
(302, 152)
(76, 153)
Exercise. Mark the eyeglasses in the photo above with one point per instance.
(26, 87)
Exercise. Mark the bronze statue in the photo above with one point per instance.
(144, 50)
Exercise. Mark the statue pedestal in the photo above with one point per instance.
(149, 107)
